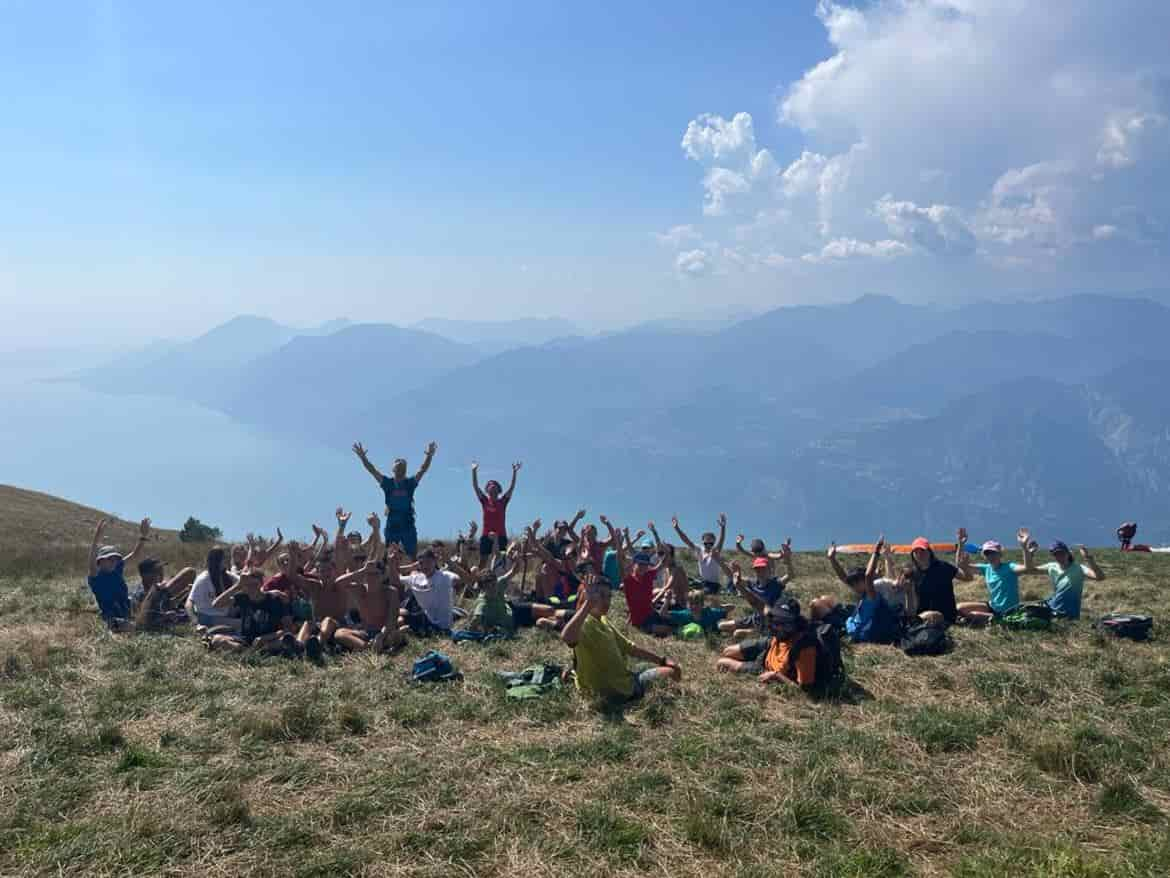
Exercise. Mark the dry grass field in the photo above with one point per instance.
(1020, 753)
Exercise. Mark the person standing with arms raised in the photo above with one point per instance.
(399, 492)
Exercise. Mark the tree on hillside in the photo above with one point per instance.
(195, 531)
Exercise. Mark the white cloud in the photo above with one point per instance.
(676, 236)
(692, 263)
(1125, 135)
(713, 137)
(975, 135)
(849, 248)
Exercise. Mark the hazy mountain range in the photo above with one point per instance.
(827, 420)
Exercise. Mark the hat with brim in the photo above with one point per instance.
(1057, 547)
(920, 543)
(108, 552)
(991, 546)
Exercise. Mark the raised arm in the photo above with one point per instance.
(872, 567)
(143, 533)
(838, 570)
(888, 562)
(616, 542)
(342, 554)
(373, 544)
(360, 451)
(576, 519)
(1089, 563)
(426, 464)
(571, 633)
(479, 495)
(786, 556)
(686, 541)
(93, 547)
(722, 533)
(654, 533)
(962, 560)
(512, 485)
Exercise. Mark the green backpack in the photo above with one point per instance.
(1028, 617)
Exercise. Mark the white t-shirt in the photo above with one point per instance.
(709, 569)
(893, 593)
(435, 595)
(203, 593)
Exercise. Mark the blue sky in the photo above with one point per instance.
(167, 166)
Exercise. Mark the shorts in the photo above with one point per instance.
(753, 652)
(487, 543)
(755, 620)
(707, 586)
(522, 616)
(643, 680)
(215, 620)
(407, 537)
(654, 620)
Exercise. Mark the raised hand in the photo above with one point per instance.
(603, 520)
(650, 525)
(475, 466)
(580, 513)
(516, 467)
(739, 538)
(832, 553)
(101, 525)
(432, 447)
(880, 544)
(317, 531)
(359, 450)
(342, 516)
(372, 520)
(279, 536)
(144, 528)
(962, 537)
(722, 519)
(1023, 535)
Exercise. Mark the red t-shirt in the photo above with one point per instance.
(278, 582)
(493, 515)
(639, 591)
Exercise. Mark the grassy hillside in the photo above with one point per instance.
(1020, 753)
(41, 533)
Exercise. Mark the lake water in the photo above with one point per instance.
(135, 456)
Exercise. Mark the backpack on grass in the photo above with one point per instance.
(1133, 626)
(923, 639)
(433, 667)
(830, 672)
(1028, 617)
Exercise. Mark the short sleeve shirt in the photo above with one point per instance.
(601, 660)
(111, 593)
(399, 502)
(1003, 586)
(1068, 586)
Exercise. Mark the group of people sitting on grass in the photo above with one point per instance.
(354, 593)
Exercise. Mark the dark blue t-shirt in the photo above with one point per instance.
(111, 593)
(769, 592)
(399, 502)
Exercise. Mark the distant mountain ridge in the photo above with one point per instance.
(821, 417)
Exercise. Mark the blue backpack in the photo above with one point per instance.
(432, 667)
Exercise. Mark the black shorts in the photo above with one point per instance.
(522, 616)
(753, 652)
(654, 620)
(487, 543)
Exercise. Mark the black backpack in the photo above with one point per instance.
(1131, 625)
(830, 673)
(923, 639)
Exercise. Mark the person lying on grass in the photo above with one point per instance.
(1002, 578)
(107, 578)
(770, 658)
(764, 591)
(156, 608)
(1067, 577)
(265, 623)
(708, 557)
(601, 654)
